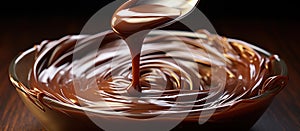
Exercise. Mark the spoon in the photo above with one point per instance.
(138, 15)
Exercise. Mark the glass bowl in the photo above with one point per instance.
(55, 115)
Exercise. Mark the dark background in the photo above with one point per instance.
(270, 24)
(266, 9)
(53, 16)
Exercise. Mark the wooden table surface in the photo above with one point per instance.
(278, 36)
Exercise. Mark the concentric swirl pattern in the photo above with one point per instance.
(181, 72)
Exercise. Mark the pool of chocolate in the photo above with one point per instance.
(177, 70)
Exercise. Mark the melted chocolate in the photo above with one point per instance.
(162, 79)
(171, 79)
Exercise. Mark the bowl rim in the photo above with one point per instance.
(23, 88)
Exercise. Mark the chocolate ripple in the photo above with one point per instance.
(175, 73)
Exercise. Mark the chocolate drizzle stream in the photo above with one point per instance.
(132, 22)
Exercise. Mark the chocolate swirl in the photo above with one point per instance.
(176, 73)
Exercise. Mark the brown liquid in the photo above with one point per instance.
(132, 22)
(165, 85)
(173, 80)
